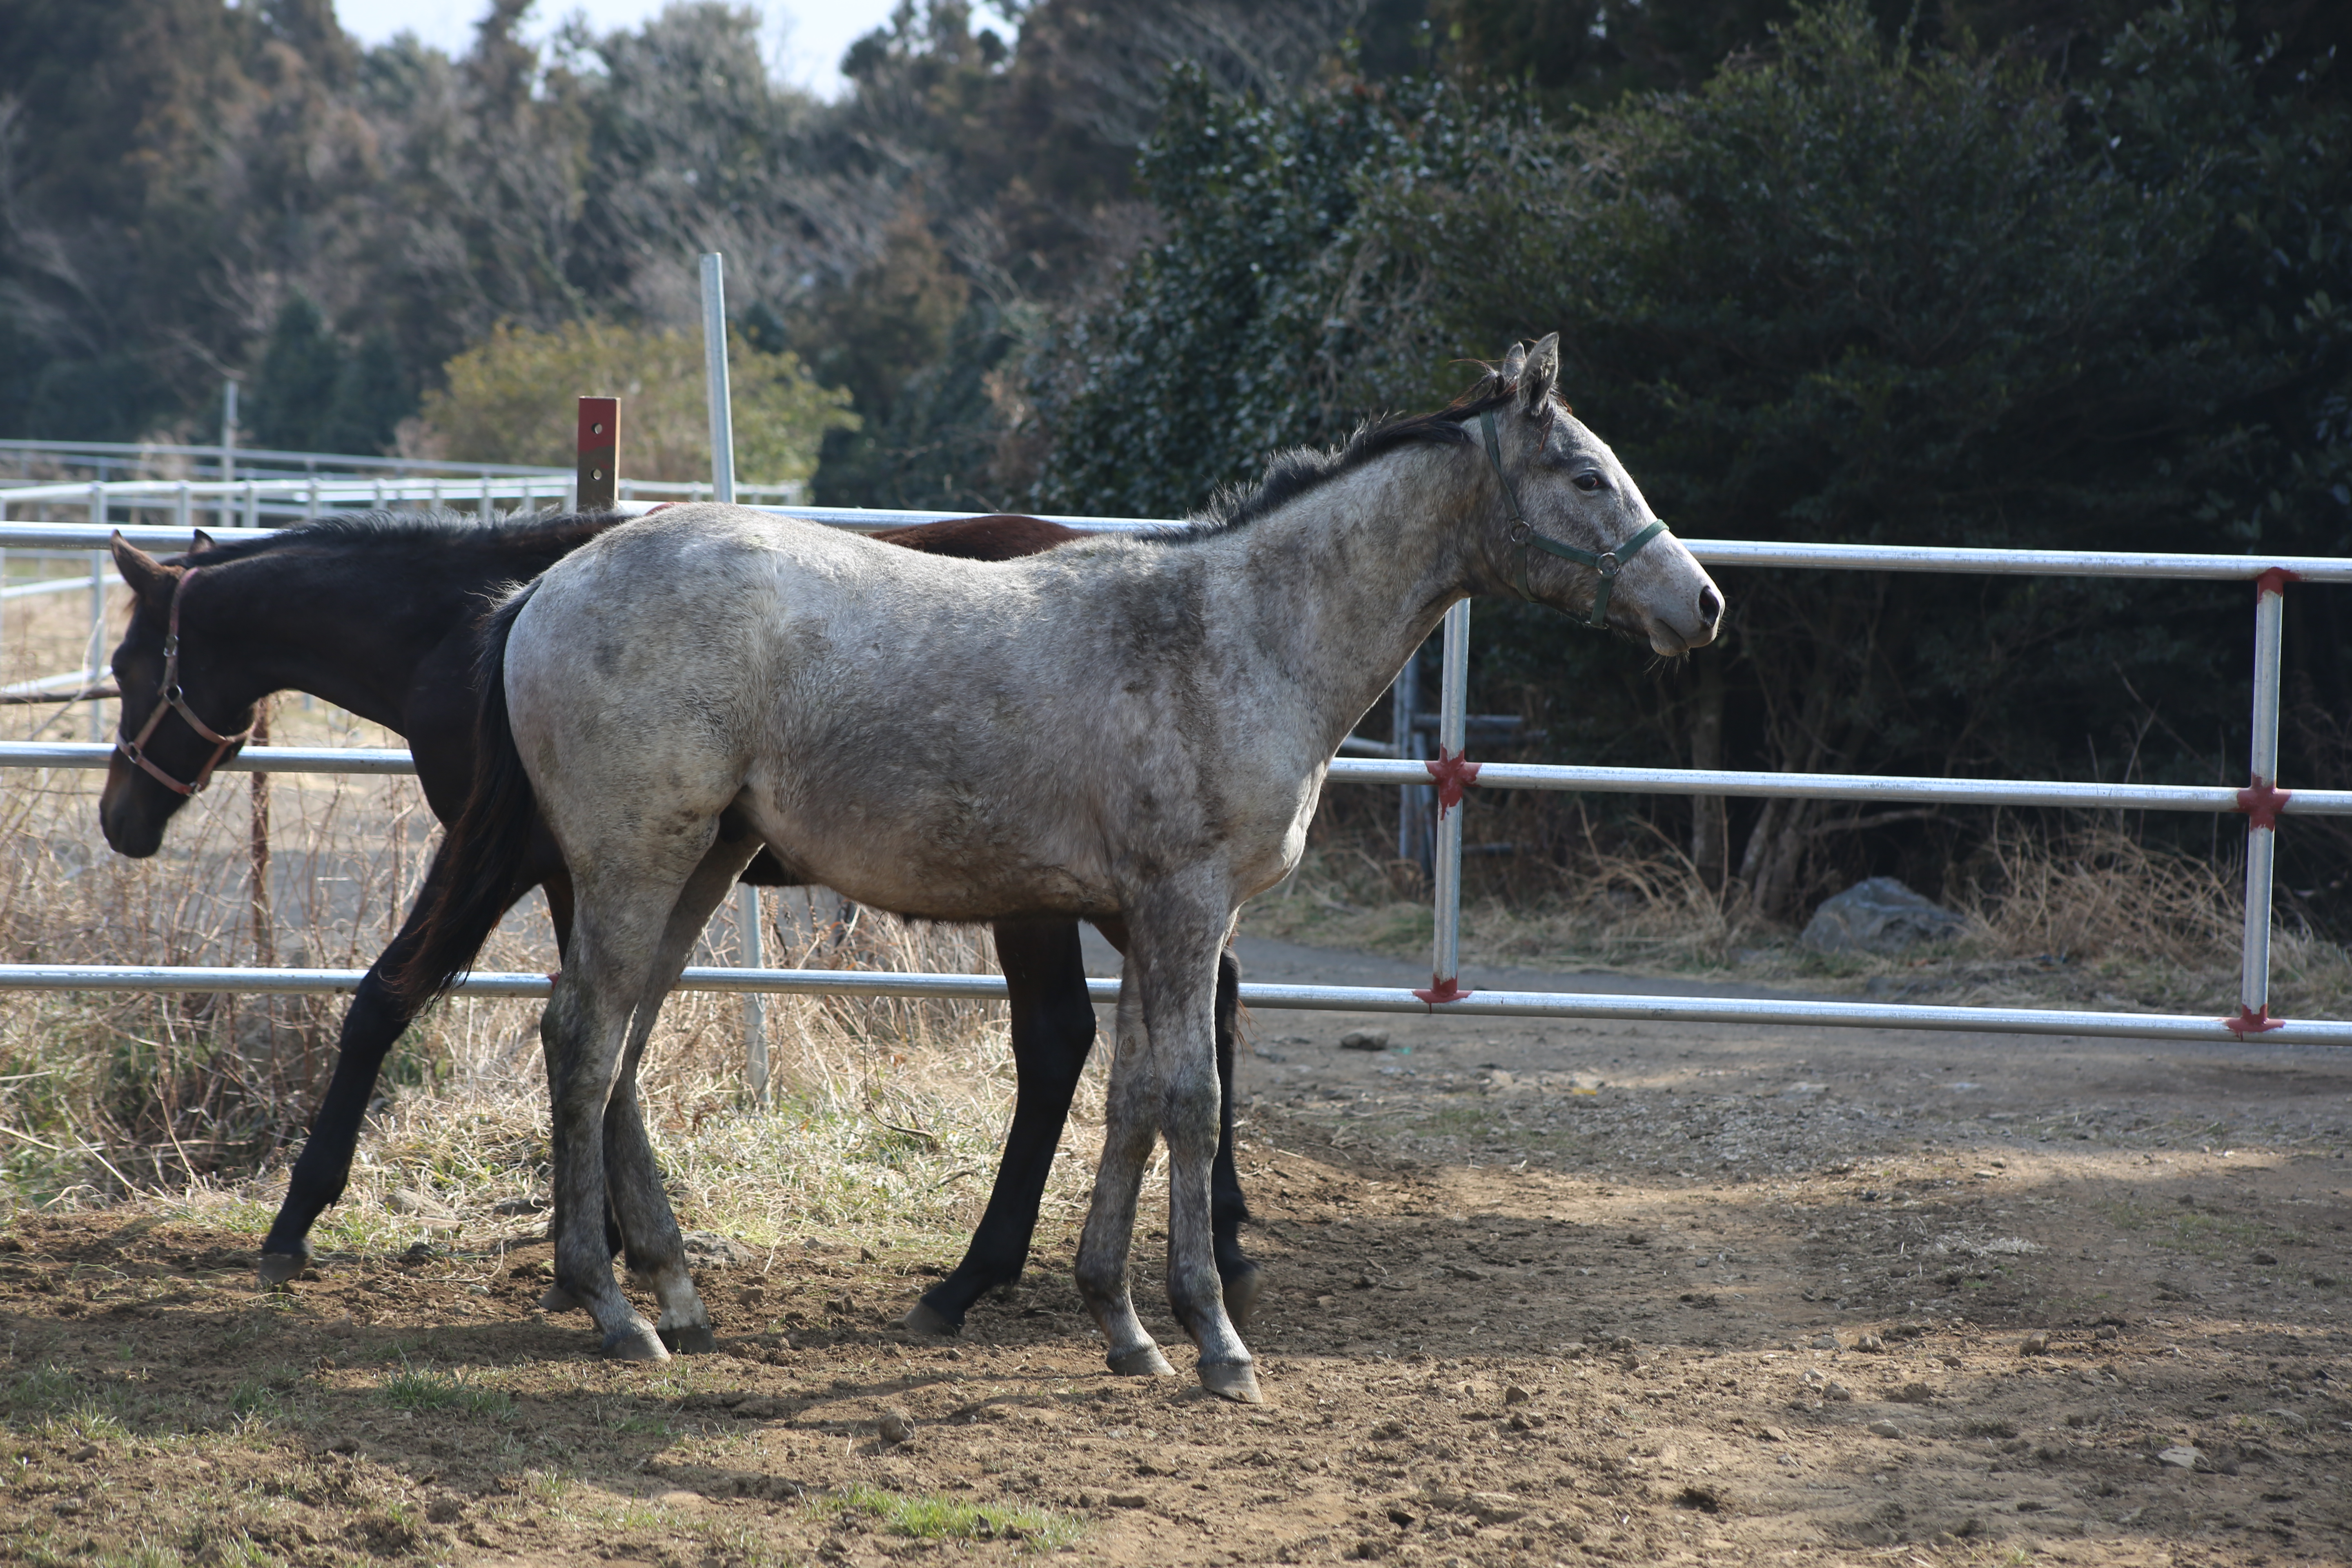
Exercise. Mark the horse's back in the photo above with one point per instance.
(881, 716)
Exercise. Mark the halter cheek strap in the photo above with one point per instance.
(1608, 562)
(135, 749)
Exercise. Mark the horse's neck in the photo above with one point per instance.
(328, 626)
(1351, 578)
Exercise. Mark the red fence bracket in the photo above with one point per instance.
(1442, 990)
(2252, 1021)
(2274, 581)
(600, 453)
(2262, 802)
(1453, 776)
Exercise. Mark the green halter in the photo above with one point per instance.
(1608, 562)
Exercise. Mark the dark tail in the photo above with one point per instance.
(483, 849)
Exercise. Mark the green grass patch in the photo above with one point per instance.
(2197, 1231)
(429, 1388)
(935, 1518)
(43, 1390)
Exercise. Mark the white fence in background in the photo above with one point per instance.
(229, 505)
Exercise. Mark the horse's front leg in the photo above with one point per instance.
(1179, 930)
(1244, 1281)
(1130, 1125)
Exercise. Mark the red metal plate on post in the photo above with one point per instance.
(600, 453)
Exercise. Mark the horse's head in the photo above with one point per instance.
(180, 716)
(1570, 528)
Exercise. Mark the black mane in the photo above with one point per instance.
(532, 533)
(1292, 474)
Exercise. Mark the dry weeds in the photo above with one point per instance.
(2085, 914)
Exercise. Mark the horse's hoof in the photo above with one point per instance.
(1145, 1360)
(637, 1342)
(689, 1339)
(1233, 1380)
(556, 1298)
(280, 1269)
(922, 1318)
(1242, 1291)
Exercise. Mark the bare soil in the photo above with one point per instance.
(1540, 1292)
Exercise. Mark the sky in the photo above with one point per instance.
(806, 37)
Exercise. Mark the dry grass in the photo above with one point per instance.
(2085, 915)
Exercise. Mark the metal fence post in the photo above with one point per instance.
(1452, 699)
(2261, 801)
(722, 488)
(97, 650)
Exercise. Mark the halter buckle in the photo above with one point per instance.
(1521, 532)
(1608, 564)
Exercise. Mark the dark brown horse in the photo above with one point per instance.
(380, 614)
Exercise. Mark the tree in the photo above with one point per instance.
(294, 393)
(1262, 321)
(513, 399)
(1854, 289)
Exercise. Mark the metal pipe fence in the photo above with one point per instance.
(2262, 802)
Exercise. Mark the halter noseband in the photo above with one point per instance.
(1608, 562)
(174, 701)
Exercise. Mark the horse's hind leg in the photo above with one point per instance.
(1244, 1282)
(1129, 1126)
(633, 1177)
(625, 910)
(1053, 1029)
(555, 882)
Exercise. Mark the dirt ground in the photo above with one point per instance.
(1540, 1292)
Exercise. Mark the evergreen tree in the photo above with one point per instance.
(293, 395)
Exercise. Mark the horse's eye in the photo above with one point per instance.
(1588, 481)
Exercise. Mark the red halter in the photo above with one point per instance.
(136, 749)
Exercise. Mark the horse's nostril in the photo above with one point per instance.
(1710, 606)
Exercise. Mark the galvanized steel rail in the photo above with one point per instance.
(1310, 998)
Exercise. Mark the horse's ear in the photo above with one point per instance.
(146, 575)
(1513, 363)
(202, 544)
(1539, 375)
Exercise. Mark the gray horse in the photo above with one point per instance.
(1131, 726)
